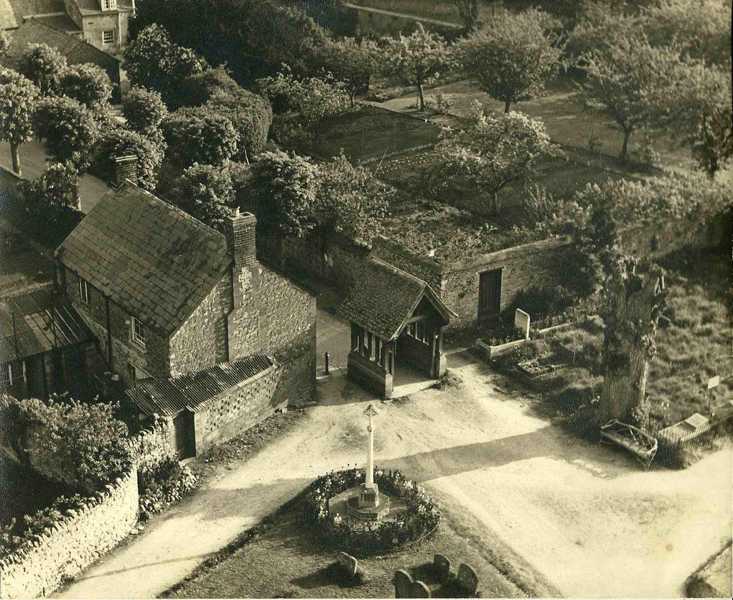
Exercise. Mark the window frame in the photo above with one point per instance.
(83, 290)
(112, 39)
(137, 334)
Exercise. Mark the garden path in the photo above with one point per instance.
(584, 516)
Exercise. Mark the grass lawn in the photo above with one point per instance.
(370, 133)
(284, 559)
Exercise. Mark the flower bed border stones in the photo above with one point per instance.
(418, 521)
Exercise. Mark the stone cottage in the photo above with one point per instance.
(167, 296)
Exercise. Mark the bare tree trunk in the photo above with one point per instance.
(625, 146)
(421, 98)
(632, 302)
(507, 103)
(15, 155)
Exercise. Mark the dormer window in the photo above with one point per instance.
(109, 4)
(137, 332)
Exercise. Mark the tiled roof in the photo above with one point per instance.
(60, 22)
(385, 297)
(76, 50)
(28, 8)
(8, 19)
(37, 322)
(154, 260)
(170, 396)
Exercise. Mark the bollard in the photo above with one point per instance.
(326, 358)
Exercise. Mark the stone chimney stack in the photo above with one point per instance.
(239, 231)
(125, 168)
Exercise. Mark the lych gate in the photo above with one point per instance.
(397, 324)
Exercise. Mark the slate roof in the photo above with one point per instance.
(149, 257)
(76, 50)
(8, 20)
(385, 297)
(37, 322)
(28, 8)
(170, 396)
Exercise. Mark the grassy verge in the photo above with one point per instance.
(282, 558)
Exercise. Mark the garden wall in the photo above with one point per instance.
(152, 446)
(77, 540)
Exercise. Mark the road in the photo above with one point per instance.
(585, 516)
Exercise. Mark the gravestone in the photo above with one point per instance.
(467, 579)
(419, 590)
(402, 584)
(441, 566)
(348, 563)
(521, 322)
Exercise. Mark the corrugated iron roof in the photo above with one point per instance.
(37, 322)
(170, 396)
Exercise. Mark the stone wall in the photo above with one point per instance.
(194, 346)
(94, 25)
(77, 540)
(427, 269)
(297, 385)
(236, 410)
(153, 446)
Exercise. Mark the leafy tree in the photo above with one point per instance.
(468, 11)
(514, 56)
(416, 58)
(153, 61)
(68, 128)
(352, 61)
(52, 194)
(206, 192)
(250, 114)
(4, 42)
(119, 141)
(88, 84)
(44, 66)
(199, 135)
(144, 110)
(18, 98)
(621, 79)
(494, 151)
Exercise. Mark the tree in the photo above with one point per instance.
(468, 11)
(351, 61)
(119, 141)
(514, 56)
(199, 135)
(206, 192)
(44, 66)
(621, 79)
(52, 194)
(88, 84)
(68, 128)
(4, 42)
(153, 61)
(417, 57)
(18, 98)
(493, 152)
(144, 110)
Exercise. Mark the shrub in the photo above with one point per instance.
(199, 135)
(419, 518)
(144, 109)
(164, 485)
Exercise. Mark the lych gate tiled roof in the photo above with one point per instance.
(152, 259)
(170, 396)
(385, 297)
(37, 322)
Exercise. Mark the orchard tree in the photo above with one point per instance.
(205, 192)
(493, 152)
(68, 128)
(352, 61)
(88, 84)
(514, 56)
(199, 135)
(18, 98)
(417, 57)
(622, 79)
(44, 66)
(153, 61)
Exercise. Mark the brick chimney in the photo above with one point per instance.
(239, 231)
(125, 167)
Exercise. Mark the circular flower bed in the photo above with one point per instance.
(418, 519)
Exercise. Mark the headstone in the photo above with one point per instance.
(521, 322)
(402, 584)
(441, 565)
(348, 563)
(419, 590)
(467, 579)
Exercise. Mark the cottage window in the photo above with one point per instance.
(83, 291)
(108, 36)
(109, 4)
(137, 332)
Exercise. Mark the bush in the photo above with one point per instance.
(87, 84)
(199, 135)
(144, 110)
(163, 486)
(419, 519)
(542, 301)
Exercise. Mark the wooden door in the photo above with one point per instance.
(489, 296)
(185, 437)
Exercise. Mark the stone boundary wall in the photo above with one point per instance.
(152, 446)
(76, 541)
